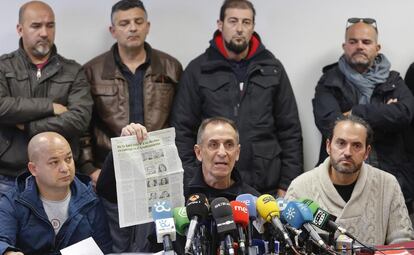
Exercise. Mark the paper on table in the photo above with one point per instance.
(87, 246)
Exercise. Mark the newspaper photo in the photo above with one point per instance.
(146, 173)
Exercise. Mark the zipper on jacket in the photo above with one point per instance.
(38, 74)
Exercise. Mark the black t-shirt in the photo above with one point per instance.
(345, 190)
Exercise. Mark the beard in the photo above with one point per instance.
(236, 47)
(42, 49)
(359, 63)
(345, 169)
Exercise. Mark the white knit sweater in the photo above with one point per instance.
(375, 214)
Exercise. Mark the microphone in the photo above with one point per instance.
(241, 218)
(164, 225)
(297, 215)
(181, 220)
(250, 202)
(223, 216)
(323, 220)
(268, 210)
(197, 210)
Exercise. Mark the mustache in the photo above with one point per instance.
(359, 53)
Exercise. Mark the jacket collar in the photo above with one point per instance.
(23, 53)
(197, 183)
(254, 44)
(217, 56)
(81, 192)
(111, 70)
(335, 78)
(329, 188)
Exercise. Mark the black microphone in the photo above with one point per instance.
(223, 216)
(197, 210)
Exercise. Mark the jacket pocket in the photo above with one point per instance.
(266, 164)
(107, 101)
(260, 96)
(59, 88)
(159, 95)
(218, 95)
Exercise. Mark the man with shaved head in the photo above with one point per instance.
(39, 91)
(50, 208)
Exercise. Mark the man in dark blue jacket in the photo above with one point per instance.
(51, 208)
(238, 78)
(362, 84)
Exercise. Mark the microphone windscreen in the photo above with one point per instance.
(306, 212)
(267, 207)
(292, 215)
(223, 215)
(161, 210)
(197, 205)
(240, 213)
(313, 206)
(250, 201)
(181, 220)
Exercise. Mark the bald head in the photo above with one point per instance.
(33, 6)
(43, 142)
(362, 27)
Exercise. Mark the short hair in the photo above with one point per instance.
(238, 4)
(124, 5)
(355, 120)
(23, 8)
(215, 121)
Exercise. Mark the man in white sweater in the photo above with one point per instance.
(367, 201)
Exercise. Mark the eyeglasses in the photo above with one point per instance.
(369, 21)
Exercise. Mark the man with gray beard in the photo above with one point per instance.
(39, 91)
(367, 201)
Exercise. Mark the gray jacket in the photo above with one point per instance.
(27, 95)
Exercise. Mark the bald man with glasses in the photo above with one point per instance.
(362, 84)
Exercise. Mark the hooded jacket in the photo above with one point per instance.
(25, 226)
(265, 113)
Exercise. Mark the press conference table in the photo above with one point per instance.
(399, 248)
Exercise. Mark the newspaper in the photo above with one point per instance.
(146, 173)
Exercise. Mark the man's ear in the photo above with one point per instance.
(220, 25)
(367, 152)
(197, 151)
(32, 168)
(328, 146)
(19, 29)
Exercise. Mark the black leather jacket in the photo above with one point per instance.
(26, 97)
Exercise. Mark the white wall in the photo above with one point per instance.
(304, 34)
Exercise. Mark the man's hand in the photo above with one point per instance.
(58, 109)
(135, 129)
(392, 101)
(13, 253)
(280, 193)
(94, 177)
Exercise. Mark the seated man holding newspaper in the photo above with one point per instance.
(50, 208)
(217, 149)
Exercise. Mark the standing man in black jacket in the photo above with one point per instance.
(239, 79)
(39, 91)
(362, 84)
